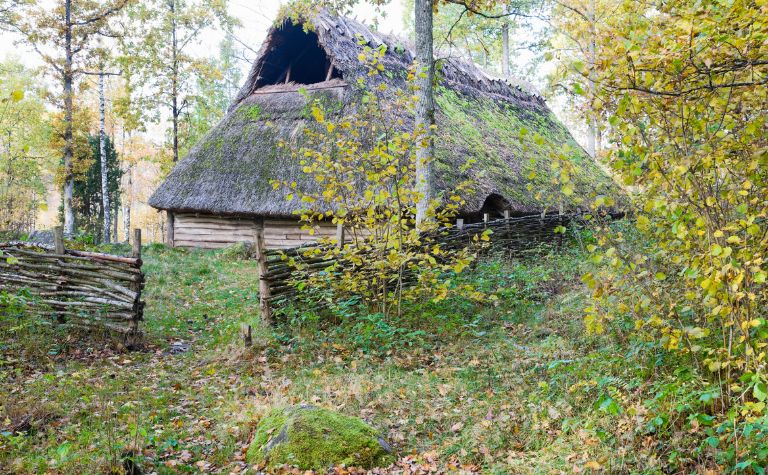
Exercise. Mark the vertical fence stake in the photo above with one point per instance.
(136, 245)
(506, 224)
(58, 239)
(132, 337)
(58, 242)
(460, 223)
(486, 218)
(264, 291)
(340, 235)
(247, 332)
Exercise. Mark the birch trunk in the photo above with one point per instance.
(593, 141)
(103, 161)
(127, 205)
(505, 49)
(69, 178)
(425, 107)
(175, 112)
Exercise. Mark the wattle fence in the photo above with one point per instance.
(77, 288)
(276, 268)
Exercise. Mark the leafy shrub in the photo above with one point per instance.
(363, 161)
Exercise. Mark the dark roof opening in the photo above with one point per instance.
(295, 56)
(495, 205)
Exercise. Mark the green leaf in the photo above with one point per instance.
(609, 406)
(760, 391)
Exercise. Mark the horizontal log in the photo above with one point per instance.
(205, 234)
(31, 279)
(204, 245)
(79, 256)
(189, 227)
(105, 317)
(76, 293)
(214, 223)
(52, 270)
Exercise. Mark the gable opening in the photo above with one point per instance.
(494, 205)
(295, 56)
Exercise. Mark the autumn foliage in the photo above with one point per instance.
(683, 88)
(363, 162)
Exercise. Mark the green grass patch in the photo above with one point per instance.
(507, 384)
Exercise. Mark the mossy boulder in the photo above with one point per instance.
(313, 438)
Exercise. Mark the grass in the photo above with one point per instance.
(508, 385)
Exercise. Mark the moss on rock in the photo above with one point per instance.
(312, 438)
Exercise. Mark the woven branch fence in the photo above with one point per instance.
(81, 289)
(276, 271)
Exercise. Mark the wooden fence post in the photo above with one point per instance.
(460, 223)
(132, 337)
(264, 291)
(247, 333)
(486, 218)
(136, 244)
(58, 239)
(58, 242)
(340, 235)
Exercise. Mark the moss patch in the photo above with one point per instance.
(251, 112)
(312, 438)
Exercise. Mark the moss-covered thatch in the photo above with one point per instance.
(230, 170)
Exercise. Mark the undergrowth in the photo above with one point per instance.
(510, 384)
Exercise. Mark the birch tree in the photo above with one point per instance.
(64, 37)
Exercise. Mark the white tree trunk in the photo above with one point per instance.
(103, 159)
(69, 178)
(127, 205)
(425, 107)
(593, 141)
(505, 49)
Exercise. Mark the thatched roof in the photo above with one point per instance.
(230, 170)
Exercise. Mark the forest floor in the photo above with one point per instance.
(511, 384)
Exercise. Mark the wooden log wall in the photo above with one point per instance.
(211, 232)
(511, 233)
(82, 289)
(216, 232)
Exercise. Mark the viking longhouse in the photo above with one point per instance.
(221, 192)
